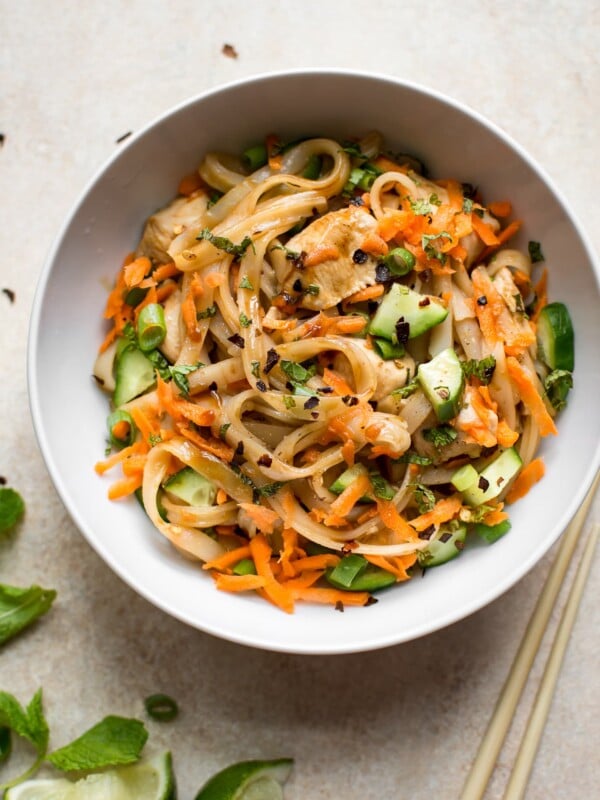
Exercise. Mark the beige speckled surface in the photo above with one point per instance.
(400, 723)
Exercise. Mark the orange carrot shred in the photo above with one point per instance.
(165, 271)
(530, 396)
(189, 184)
(443, 511)
(238, 583)
(135, 272)
(274, 591)
(500, 209)
(125, 487)
(263, 517)
(228, 559)
(370, 293)
(483, 230)
(527, 478)
(331, 596)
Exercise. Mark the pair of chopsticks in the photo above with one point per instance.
(499, 724)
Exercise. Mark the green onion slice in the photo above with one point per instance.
(400, 261)
(112, 420)
(255, 157)
(151, 327)
(161, 707)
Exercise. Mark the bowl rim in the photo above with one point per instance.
(455, 615)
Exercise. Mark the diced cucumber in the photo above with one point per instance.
(442, 380)
(491, 533)
(372, 580)
(555, 337)
(464, 477)
(420, 311)
(445, 547)
(388, 350)
(161, 509)
(494, 478)
(344, 480)
(191, 487)
(134, 374)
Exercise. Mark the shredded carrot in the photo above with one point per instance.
(505, 435)
(392, 519)
(212, 445)
(370, 293)
(125, 487)
(369, 514)
(342, 505)
(303, 581)
(203, 417)
(458, 252)
(392, 223)
(310, 455)
(189, 184)
(238, 583)
(443, 511)
(530, 396)
(225, 530)
(483, 230)
(290, 549)
(336, 382)
(146, 426)
(503, 236)
(349, 452)
(522, 281)
(397, 565)
(527, 478)
(500, 209)
(134, 464)
(264, 518)
(228, 559)
(495, 517)
(221, 497)
(351, 324)
(214, 279)
(275, 158)
(165, 271)
(541, 291)
(103, 466)
(331, 596)
(387, 165)
(375, 245)
(321, 561)
(274, 591)
(135, 272)
(165, 291)
(120, 429)
(321, 253)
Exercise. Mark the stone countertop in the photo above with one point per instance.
(403, 722)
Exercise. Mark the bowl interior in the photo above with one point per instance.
(67, 329)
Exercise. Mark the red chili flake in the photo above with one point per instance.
(402, 331)
(229, 51)
(272, 359)
(265, 460)
(424, 302)
(10, 294)
(237, 340)
(483, 483)
(371, 600)
(339, 606)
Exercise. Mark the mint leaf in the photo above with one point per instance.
(424, 497)
(413, 458)
(180, 373)
(12, 509)
(269, 489)
(245, 283)
(28, 723)
(483, 369)
(440, 436)
(113, 741)
(296, 372)
(381, 488)
(405, 391)
(225, 244)
(557, 385)
(19, 607)
(535, 252)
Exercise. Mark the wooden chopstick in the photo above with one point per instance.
(502, 717)
(539, 713)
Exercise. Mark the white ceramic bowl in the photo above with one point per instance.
(67, 328)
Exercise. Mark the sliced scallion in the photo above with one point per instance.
(151, 327)
(255, 157)
(388, 350)
(121, 428)
(312, 170)
(161, 707)
(400, 261)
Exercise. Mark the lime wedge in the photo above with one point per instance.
(150, 779)
(248, 780)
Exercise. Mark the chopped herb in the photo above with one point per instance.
(12, 509)
(557, 385)
(272, 359)
(535, 252)
(424, 497)
(476, 514)
(243, 477)
(237, 340)
(483, 370)
(519, 305)
(161, 707)
(430, 250)
(296, 372)
(29, 723)
(441, 436)
(223, 429)
(405, 391)
(288, 401)
(207, 313)
(422, 208)
(225, 244)
(479, 212)
(467, 206)
(269, 489)
(312, 289)
(245, 322)
(414, 458)
(10, 294)
(160, 363)
(381, 488)
(245, 283)
(353, 149)
(214, 198)
(180, 373)
(255, 368)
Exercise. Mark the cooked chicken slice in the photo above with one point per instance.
(392, 374)
(162, 227)
(330, 243)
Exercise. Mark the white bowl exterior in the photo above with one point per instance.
(67, 327)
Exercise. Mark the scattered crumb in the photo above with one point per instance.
(2, 480)
(122, 138)
(229, 51)
(339, 606)
(10, 294)
(2, 139)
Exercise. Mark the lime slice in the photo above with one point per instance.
(151, 779)
(248, 780)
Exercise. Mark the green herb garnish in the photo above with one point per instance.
(255, 368)
(180, 373)
(207, 313)
(424, 497)
(381, 488)
(557, 385)
(225, 244)
(19, 607)
(245, 283)
(29, 723)
(113, 741)
(223, 429)
(289, 401)
(161, 707)
(414, 458)
(296, 372)
(269, 489)
(12, 509)
(441, 436)
(483, 370)
(535, 252)
(405, 391)
(245, 321)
